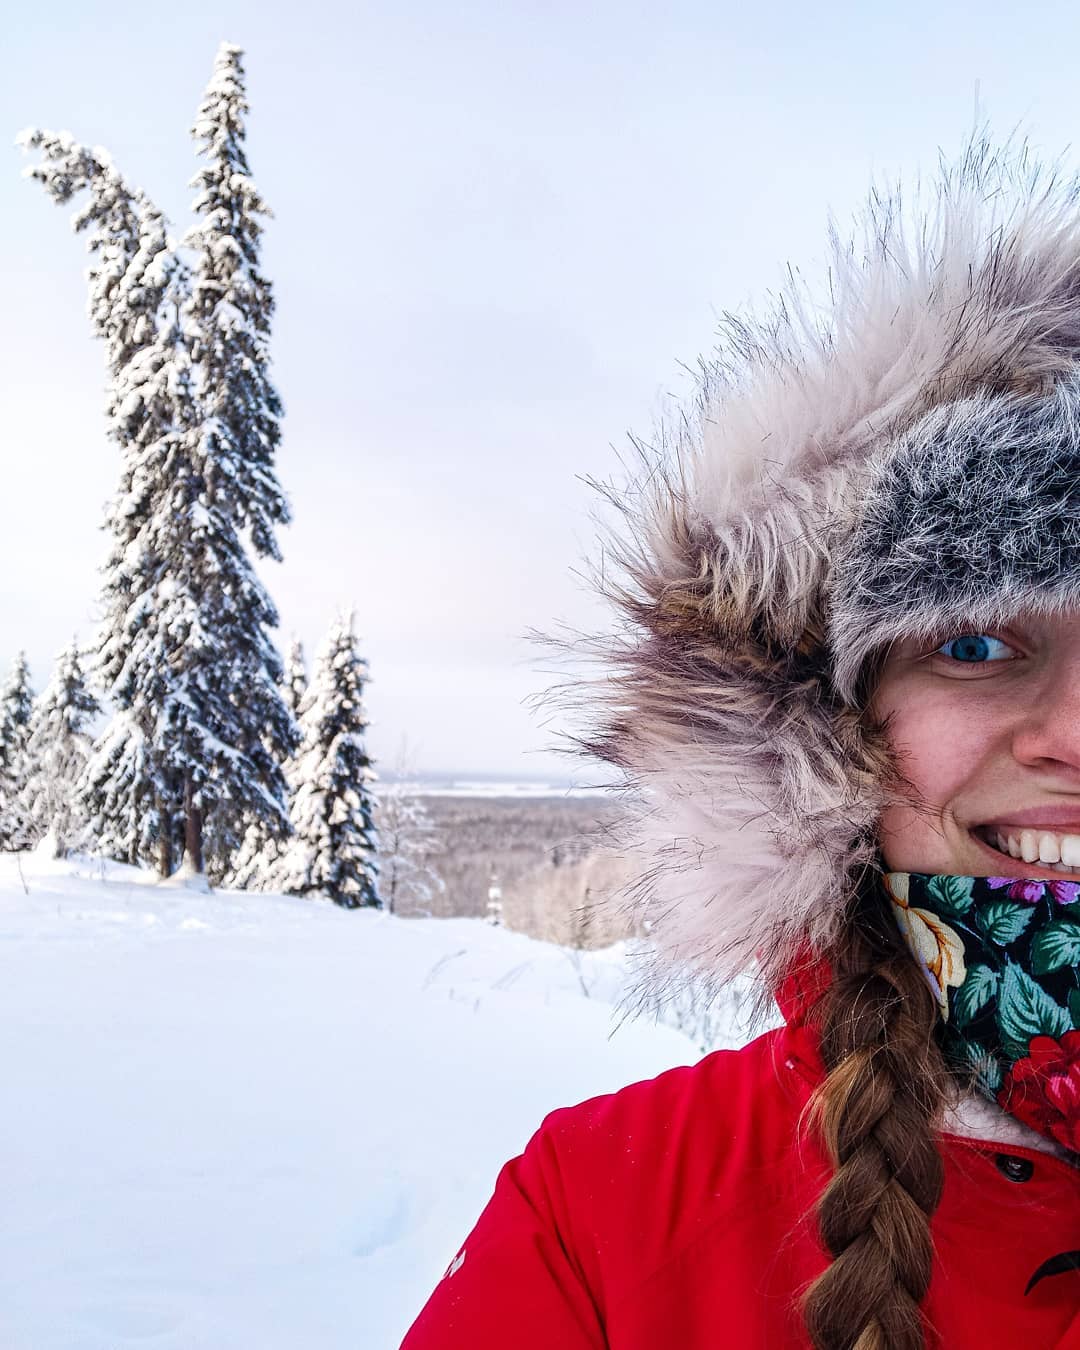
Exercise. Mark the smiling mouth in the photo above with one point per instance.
(1032, 851)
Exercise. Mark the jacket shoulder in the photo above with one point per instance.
(663, 1110)
(613, 1192)
(637, 1173)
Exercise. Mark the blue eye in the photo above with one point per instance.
(972, 648)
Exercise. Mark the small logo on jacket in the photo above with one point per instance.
(455, 1265)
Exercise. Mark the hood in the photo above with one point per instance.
(849, 472)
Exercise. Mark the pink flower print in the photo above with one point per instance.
(1031, 892)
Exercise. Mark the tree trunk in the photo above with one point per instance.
(193, 825)
(164, 841)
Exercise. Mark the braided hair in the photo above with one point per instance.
(877, 1111)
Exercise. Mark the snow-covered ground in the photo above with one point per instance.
(232, 1120)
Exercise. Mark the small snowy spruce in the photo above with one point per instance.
(296, 677)
(16, 711)
(333, 848)
(57, 752)
(257, 865)
(117, 795)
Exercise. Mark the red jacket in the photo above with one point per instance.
(677, 1215)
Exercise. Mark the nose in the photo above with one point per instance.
(1047, 732)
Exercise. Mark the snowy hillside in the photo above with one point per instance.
(234, 1120)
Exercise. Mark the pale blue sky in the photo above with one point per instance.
(499, 229)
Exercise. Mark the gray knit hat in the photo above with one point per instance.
(902, 462)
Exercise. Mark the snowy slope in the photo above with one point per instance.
(233, 1120)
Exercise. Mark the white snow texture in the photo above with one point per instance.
(240, 1120)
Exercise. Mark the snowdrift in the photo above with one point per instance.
(239, 1120)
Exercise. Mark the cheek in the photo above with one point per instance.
(942, 755)
(934, 753)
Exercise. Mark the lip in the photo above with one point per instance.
(1016, 868)
(1062, 819)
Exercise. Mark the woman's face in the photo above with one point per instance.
(986, 728)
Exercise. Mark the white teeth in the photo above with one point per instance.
(1048, 849)
(1059, 851)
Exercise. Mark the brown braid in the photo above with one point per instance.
(877, 1109)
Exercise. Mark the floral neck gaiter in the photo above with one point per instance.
(1003, 958)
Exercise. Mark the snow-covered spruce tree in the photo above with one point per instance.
(201, 733)
(129, 278)
(229, 312)
(16, 710)
(201, 672)
(116, 794)
(226, 319)
(57, 751)
(150, 406)
(333, 848)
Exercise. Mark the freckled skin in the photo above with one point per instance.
(976, 741)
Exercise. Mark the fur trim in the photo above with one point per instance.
(791, 520)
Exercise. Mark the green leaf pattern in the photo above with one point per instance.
(1021, 949)
(1002, 922)
(1026, 1010)
(1056, 945)
(952, 896)
(974, 994)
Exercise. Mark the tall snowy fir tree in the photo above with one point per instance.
(201, 730)
(333, 849)
(229, 313)
(227, 320)
(128, 279)
(151, 409)
(203, 671)
(16, 710)
(57, 751)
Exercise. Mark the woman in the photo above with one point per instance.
(850, 695)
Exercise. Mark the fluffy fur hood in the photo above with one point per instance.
(901, 458)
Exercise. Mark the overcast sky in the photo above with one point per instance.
(499, 230)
